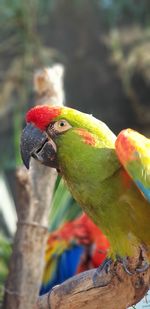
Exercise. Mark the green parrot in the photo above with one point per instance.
(87, 155)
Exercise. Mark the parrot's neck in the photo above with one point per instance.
(85, 167)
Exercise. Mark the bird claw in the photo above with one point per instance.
(124, 264)
(104, 267)
(141, 269)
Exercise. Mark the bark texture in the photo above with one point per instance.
(113, 290)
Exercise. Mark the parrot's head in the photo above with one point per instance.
(54, 133)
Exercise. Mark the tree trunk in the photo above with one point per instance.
(35, 190)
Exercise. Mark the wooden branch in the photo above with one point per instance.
(35, 190)
(48, 84)
(115, 290)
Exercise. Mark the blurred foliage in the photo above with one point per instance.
(119, 12)
(22, 52)
(129, 44)
(5, 252)
(130, 51)
(63, 208)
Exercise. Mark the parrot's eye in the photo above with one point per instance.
(59, 126)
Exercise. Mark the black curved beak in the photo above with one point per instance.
(37, 144)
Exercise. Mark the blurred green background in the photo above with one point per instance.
(104, 46)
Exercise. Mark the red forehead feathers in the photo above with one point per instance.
(41, 116)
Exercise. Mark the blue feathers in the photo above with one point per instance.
(66, 267)
(146, 191)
